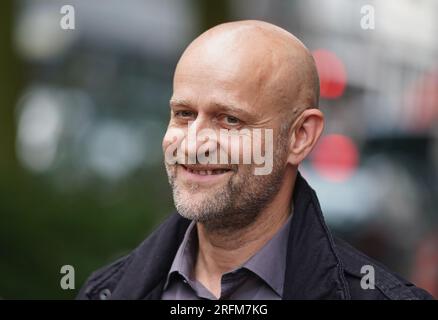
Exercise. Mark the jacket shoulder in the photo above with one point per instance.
(101, 282)
(387, 284)
(124, 276)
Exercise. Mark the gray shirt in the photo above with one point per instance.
(260, 278)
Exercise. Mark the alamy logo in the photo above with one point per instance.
(226, 147)
(368, 281)
(67, 21)
(68, 280)
(367, 21)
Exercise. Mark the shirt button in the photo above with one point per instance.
(105, 294)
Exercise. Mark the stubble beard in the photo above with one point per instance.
(232, 205)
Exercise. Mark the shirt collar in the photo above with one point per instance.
(184, 261)
(269, 263)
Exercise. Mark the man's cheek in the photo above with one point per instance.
(236, 148)
(172, 145)
(263, 152)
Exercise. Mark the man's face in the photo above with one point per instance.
(214, 97)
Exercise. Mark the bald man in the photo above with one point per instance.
(244, 229)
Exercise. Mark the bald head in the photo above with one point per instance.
(267, 66)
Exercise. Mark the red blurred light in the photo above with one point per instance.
(332, 74)
(335, 157)
(421, 101)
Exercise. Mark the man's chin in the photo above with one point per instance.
(195, 211)
(196, 203)
(194, 188)
(198, 194)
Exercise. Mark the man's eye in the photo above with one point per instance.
(230, 120)
(184, 114)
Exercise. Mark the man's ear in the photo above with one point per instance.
(305, 133)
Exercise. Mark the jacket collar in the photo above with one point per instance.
(313, 269)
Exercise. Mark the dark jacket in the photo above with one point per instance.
(317, 265)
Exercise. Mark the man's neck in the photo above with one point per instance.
(221, 252)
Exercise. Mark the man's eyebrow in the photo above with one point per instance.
(179, 102)
(217, 106)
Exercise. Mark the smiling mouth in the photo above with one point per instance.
(205, 170)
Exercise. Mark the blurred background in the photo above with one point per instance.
(83, 111)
